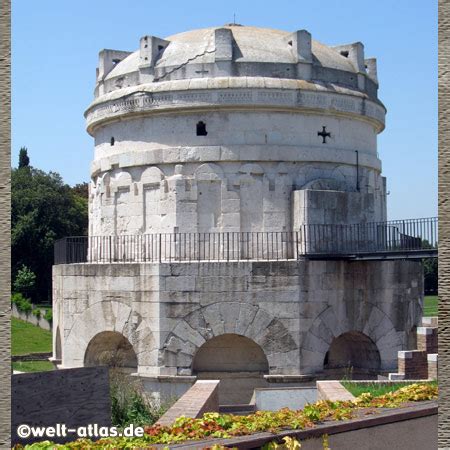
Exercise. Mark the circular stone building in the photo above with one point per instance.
(237, 130)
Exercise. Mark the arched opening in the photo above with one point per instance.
(237, 361)
(112, 349)
(352, 355)
(58, 353)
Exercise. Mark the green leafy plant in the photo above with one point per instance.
(36, 312)
(25, 280)
(23, 304)
(215, 425)
(129, 404)
(48, 314)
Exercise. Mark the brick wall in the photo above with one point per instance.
(413, 364)
(427, 339)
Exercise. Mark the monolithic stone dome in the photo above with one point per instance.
(217, 128)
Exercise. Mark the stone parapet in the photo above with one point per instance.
(333, 391)
(202, 397)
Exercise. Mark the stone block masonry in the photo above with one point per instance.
(291, 313)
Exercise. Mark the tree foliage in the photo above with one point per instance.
(430, 273)
(25, 280)
(24, 160)
(43, 209)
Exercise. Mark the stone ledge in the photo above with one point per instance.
(200, 398)
(333, 391)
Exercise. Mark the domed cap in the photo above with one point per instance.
(237, 51)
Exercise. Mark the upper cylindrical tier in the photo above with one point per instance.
(213, 129)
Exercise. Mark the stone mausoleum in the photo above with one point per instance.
(215, 149)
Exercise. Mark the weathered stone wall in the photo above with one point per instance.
(292, 310)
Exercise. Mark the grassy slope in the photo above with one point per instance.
(27, 338)
(32, 366)
(430, 305)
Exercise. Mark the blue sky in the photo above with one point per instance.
(55, 49)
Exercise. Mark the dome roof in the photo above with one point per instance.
(251, 45)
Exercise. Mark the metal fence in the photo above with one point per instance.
(400, 236)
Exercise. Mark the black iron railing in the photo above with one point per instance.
(393, 237)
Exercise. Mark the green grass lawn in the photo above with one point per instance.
(27, 338)
(430, 305)
(376, 388)
(32, 366)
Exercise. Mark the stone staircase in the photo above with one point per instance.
(422, 363)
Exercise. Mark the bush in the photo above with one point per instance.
(36, 312)
(23, 304)
(48, 314)
(129, 404)
(25, 280)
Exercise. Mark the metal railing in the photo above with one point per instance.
(396, 237)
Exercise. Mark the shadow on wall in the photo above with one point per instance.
(112, 349)
(237, 361)
(352, 355)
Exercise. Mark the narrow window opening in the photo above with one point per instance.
(344, 54)
(290, 43)
(112, 141)
(116, 61)
(160, 47)
(201, 129)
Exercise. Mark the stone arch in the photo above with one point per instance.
(242, 319)
(325, 184)
(352, 353)
(237, 361)
(112, 349)
(152, 175)
(230, 352)
(330, 324)
(209, 172)
(112, 316)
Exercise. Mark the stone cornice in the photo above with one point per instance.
(280, 97)
(240, 153)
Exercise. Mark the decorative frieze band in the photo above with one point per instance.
(142, 102)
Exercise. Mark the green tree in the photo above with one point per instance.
(24, 160)
(82, 189)
(25, 280)
(430, 275)
(43, 209)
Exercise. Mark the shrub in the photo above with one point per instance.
(48, 314)
(23, 304)
(25, 280)
(36, 312)
(129, 404)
